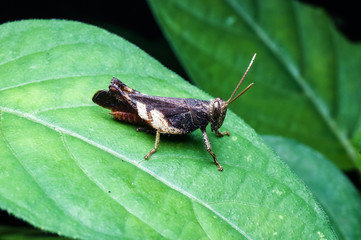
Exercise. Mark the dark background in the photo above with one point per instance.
(134, 21)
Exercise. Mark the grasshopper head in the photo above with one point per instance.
(217, 113)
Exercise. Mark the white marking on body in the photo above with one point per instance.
(159, 122)
(142, 111)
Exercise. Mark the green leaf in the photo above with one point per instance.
(335, 192)
(66, 166)
(306, 74)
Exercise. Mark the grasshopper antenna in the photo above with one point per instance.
(230, 100)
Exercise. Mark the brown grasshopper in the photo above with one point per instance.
(167, 115)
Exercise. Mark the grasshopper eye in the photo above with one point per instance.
(217, 107)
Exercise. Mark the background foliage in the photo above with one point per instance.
(309, 163)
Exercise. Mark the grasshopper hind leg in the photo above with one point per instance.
(156, 144)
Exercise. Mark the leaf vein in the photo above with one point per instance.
(52, 48)
(63, 107)
(50, 79)
(199, 222)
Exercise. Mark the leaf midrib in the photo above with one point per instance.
(319, 105)
(123, 157)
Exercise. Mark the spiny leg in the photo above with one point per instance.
(208, 146)
(157, 137)
(221, 134)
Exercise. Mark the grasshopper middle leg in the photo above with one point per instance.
(157, 137)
